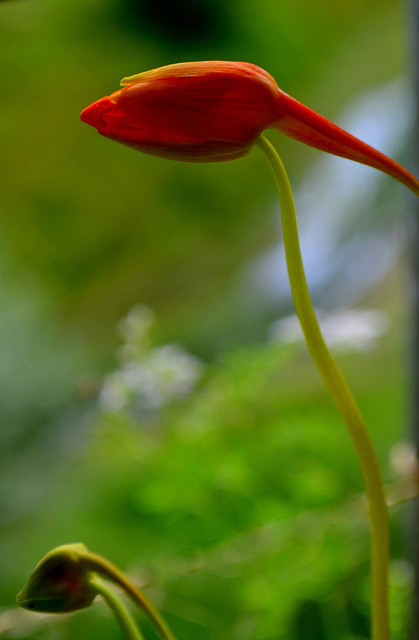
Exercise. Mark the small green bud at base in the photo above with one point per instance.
(60, 582)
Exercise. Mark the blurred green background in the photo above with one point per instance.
(216, 472)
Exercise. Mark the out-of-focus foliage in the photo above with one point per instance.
(240, 507)
(238, 502)
(38, 366)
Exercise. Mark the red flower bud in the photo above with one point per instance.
(212, 111)
(196, 111)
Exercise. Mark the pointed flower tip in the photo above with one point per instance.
(94, 114)
(59, 583)
(84, 116)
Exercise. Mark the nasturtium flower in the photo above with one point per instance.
(215, 110)
(59, 583)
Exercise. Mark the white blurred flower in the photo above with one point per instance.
(134, 330)
(149, 378)
(114, 392)
(348, 329)
(177, 370)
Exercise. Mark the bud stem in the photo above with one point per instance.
(95, 562)
(124, 618)
(332, 377)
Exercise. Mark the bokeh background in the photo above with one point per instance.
(156, 401)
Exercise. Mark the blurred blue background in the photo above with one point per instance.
(155, 401)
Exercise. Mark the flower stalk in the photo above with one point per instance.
(120, 612)
(342, 396)
(102, 566)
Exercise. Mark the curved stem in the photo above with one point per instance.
(342, 396)
(95, 562)
(124, 618)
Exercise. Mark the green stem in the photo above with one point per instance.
(124, 618)
(378, 512)
(96, 563)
